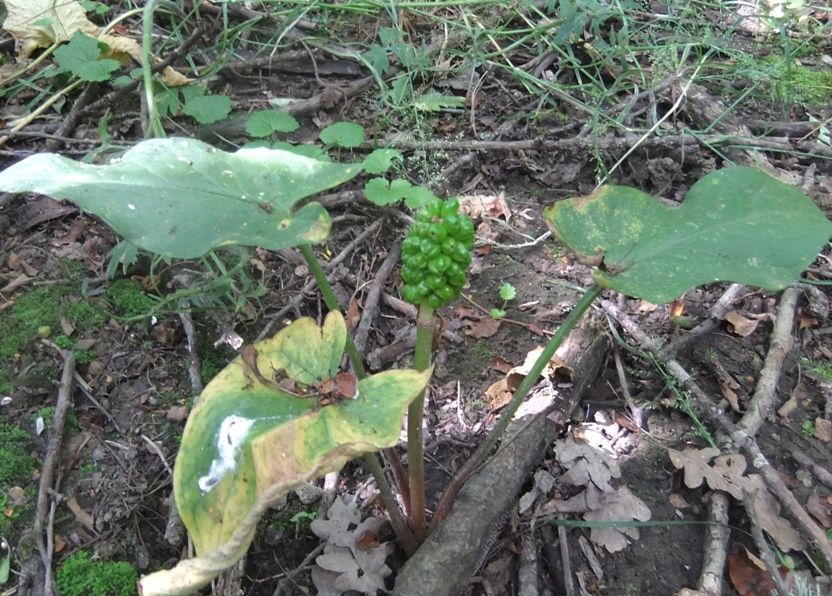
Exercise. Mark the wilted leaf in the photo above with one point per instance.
(768, 512)
(249, 441)
(741, 325)
(820, 509)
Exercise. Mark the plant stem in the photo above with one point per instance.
(403, 533)
(415, 449)
(485, 447)
(154, 124)
(332, 303)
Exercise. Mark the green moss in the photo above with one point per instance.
(80, 576)
(16, 463)
(128, 299)
(43, 307)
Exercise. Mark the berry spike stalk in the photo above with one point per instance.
(435, 255)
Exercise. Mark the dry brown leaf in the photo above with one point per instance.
(500, 364)
(797, 396)
(20, 280)
(493, 206)
(177, 413)
(81, 515)
(678, 501)
(823, 430)
(621, 506)
(585, 464)
(726, 473)
(748, 574)
(820, 509)
(768, 513)
(66, 326)
(484, 327)
(741, 325)
(353, 315)
(498, 394)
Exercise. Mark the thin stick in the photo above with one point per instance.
(762, 404)
(50, 465)
(372, 296)
(716, 547)
(716, 315)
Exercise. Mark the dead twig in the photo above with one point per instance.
(716, 544)
(762, 403)
(371, 298)
(819, 472)
(50, 465)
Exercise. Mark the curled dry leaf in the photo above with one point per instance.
(742, 326)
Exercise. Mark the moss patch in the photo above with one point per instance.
(80, 576)
(128, 299)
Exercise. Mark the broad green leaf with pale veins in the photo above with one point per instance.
(737, 224)
(249, 441)
(182, 198)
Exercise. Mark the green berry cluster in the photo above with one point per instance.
(436, 254)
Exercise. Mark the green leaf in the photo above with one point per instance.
(262, 124)
(737, 224)
(377, 57)
(125, 254)
(417, 197)
(247, 442)
(497, 313)
(311, 151)
(181, 197)
(343, 134)
(379, 192)
(380, 160)
(507, 292)
(206, 109)
(81, 57)
(433, 102)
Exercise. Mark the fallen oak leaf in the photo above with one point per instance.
(619, 506)
(725, 475)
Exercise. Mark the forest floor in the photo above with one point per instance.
(509, 106)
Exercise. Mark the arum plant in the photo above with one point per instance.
(282, 412)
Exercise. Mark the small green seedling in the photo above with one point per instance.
(808, 428)
(507, 292)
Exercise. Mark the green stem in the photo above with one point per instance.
(154, 124)
(332, 303)
(531, 378)
(415, 449)
(403, 533)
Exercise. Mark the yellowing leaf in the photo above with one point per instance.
(40, 23)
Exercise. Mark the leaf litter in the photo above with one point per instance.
(600, 501)
(352, 558)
